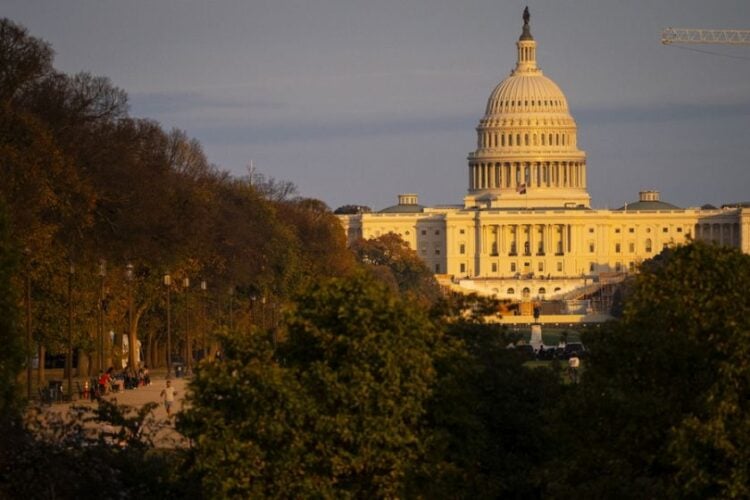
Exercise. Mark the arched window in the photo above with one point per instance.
(648, 246)
(525, 293)
(557, 289)
(542, 291)
(510, 291)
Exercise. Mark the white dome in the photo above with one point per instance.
(526, 93)
(527, 148)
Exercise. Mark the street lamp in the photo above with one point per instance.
(102, 275)
(188, 346)
(69, 357)
(132, 358)
(231, 308)
(167, 285)
(204, 288)
(29, 358)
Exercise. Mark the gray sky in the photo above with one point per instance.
(355, 101)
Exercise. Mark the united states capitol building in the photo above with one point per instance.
(526, 230)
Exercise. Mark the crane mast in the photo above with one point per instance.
(704, 36)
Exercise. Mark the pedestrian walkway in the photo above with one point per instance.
(164, 434)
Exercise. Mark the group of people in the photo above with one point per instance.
(110, 381)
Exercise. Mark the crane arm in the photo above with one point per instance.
(695, 36)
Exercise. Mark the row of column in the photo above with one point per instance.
(540, 174)
(727, 233)
(495, 140)
(526, 239)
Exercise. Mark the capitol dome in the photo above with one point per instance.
(527, 154)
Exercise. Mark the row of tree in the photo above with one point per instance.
(90, 189)
(372, 395)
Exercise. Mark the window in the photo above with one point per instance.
(631, 230)
(631, 247)
(617, 248)
(526, 265)
(557, 289)
(525, 293)
(437, 251)
(462, 249)
(424, 232)
(437, 268)
(540, 267)
(510, 291)
(591, 247)
(592, 267)
(679, 229)
(647, 246)
(617, 230)
(665, 230)
(463, 268)
(618, 267)
(591, 230)
(559, 267)
(494, 267)
(461, 231)
(526, 249)
(648, 229)
(513, 267)
(542, 291)
(631, 267)
(437, 233)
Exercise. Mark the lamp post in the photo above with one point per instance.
(69, 357)
(102, 275)
(231, 308)
(132, 358)
(188, 346)
(29, 358)
(167, 285)
(204, 288)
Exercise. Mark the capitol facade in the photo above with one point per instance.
(526, 229)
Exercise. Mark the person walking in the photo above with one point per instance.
(168, 393)
(574, 363)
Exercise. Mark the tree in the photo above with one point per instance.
(11, 355)
(662, 407)
(397, 264)
(335, 411)
(23, 59)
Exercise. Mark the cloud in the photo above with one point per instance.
(661, 113)
(165, 103)
(332, 129)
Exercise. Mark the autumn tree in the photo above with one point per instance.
(390, 257)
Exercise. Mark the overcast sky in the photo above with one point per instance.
(356, 101)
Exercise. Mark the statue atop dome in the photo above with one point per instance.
(526, 35)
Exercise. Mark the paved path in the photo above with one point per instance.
(164, 434)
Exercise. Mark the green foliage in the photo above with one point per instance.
(102, 452)
(662, 410)
(334, 412)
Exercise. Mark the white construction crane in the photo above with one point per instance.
(671, 36)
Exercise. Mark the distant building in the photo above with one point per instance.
(526, 229)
